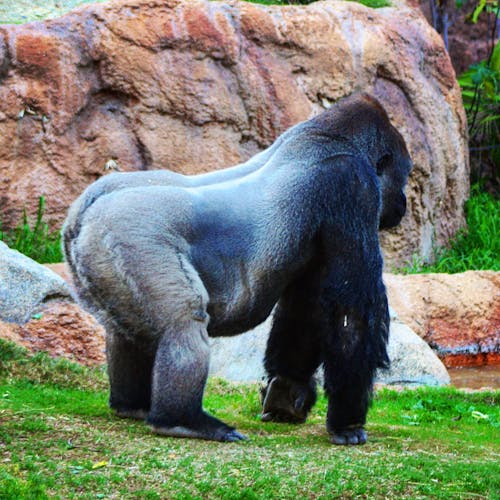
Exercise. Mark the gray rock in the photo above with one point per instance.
(413, 362)
(240, 358)
(24, 285)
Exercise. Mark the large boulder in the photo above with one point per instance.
(196, 85)
(25, 286)
(37, 311)
(413, 362)
(458, 315)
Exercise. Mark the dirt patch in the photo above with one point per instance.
(61, 329)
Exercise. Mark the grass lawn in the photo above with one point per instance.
(58, 439)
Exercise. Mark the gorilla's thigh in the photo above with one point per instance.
(156, 343)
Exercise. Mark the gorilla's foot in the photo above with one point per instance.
(204, 428)
(285, 400)
(136, 414)
(355, 435)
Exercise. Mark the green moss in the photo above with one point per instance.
(17, 364)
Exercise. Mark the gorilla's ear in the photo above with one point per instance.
(383, 163)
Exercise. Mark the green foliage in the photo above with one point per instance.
(489, 6)
(37, 241)
(62, 441)
(481, 96)
(477, 247)
(10, 352)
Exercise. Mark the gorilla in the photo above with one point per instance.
(166, 261)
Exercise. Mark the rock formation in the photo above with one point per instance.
(458, 315)
(62, 329)
(26, 285)
(198, 85)
(412, 360)
(37, 311)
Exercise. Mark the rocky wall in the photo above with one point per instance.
(195, 85)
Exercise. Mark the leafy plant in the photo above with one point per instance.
(481, 96)
(477, 247)
(37, 242)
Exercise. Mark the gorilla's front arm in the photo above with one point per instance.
(164, 266)
(336, 312)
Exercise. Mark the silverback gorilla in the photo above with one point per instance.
(166, 261)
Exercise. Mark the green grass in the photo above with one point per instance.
(58, 439)
(474, 248)
(35, 240)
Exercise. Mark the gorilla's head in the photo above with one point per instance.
(362, 121)
(393, 166)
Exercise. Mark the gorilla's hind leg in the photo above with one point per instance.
(130, 366)
(179, 378)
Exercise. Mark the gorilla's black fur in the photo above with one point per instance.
(167, 260)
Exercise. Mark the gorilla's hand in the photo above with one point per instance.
(284, 400)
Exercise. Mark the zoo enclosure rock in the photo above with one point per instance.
(62, 329)
(37, 311)
(197, 85)
(412, 360)
(458, 315)
(26, 285)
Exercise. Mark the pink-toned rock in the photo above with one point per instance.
(63, 330)
(198, 85)
(457, 314)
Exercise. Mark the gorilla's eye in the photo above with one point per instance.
(384, 162)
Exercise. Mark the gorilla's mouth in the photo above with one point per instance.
(391, 218)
